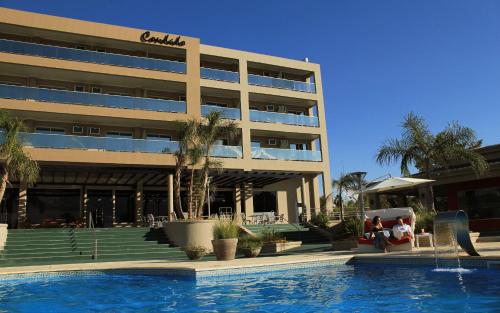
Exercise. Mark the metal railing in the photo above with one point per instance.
(92, 227)
(222, 75)
(283, 118)
(72, 54)
(281, 83)
(91, 99)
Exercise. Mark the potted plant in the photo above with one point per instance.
(250, 246)
(225, 239)
(195, 252)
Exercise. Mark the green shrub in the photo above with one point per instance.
(226, 229)
(424, 220)
(352, 226)
(249, 242)
(320, 220)
(270, 235)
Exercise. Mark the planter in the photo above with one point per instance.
(195, 254)
(190, 233)
(275, 247)
(345, 244)
(225, 249)
(251, 252)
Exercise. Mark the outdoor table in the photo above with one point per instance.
(425, 235)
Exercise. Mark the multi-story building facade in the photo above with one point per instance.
(102, 104)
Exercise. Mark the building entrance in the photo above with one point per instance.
(100, 205)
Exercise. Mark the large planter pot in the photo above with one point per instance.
(225, 249)
(251, 252)
(190, 233)
(276, 247)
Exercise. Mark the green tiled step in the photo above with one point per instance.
(88, 250)
(80, 245)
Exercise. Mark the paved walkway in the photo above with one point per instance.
(313, 253)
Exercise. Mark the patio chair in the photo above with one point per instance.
(152, 223)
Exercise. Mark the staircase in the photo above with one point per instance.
(76, 245)
(291, 232)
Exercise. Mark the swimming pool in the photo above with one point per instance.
(339, 288)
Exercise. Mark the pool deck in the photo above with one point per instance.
(490, 252)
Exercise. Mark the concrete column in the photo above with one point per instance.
(237, 205)
(22, 204)
(139, 197)
(327, 189)
(303, 198)
(314, 192)
(170, 195)
(248, 191)
(193, 93)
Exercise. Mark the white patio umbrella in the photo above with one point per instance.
(395, 183)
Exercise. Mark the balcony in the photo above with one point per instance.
(229, 113)
(285, 154)
(273, 82)
(18, 47)
(91, 99)
(57, 141)
(283, 118)
(221, 75)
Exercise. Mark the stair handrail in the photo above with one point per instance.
(92, 226)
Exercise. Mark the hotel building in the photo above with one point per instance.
(102, 105)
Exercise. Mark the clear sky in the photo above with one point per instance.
(380, 59)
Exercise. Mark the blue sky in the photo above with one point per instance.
(380, 59)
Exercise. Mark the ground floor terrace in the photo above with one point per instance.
(120, 197)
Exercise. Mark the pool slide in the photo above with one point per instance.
(460, 222)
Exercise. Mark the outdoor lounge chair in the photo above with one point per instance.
(388, 217)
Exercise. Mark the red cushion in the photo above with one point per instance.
(386, 223)
(364, 241)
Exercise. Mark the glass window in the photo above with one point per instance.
(480, 203)
(158, 137)
(49, 130)
(119, 134)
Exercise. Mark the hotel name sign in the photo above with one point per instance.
(165, 40)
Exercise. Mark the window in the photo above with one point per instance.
(53, 87)
(297, 146)
(94, 130)
(81, 47)
(270, 107)
(80, 88)
(271, 142)
(49, 130)
(158, 137)
(96, 89)
(77, 129)
(119, 134)
(182, 98)
(221, 142)
(282, 109)
(100, 49)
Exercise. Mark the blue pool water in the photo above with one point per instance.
(322, 289)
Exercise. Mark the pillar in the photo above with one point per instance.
(314, 191)
(113, 202)
(22, 204)
(303, 198)
(248, 194)
(85, 204)
(170, 195)
(139, 195)
(237, 205)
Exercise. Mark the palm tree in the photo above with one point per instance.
(430, 153)
(15, 162)
(210, 130)
(195, 154)
(345, 182)
(187, 131)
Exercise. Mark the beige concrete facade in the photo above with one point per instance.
(84, 61)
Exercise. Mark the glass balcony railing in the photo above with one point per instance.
(283, 118)
(227, 76)
(229, 113)
(281, 83)
(92, 99)
(226, 151)
(18, 47)
(285, 154)
(57, 141)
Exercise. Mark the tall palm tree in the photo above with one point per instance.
(187, 132)
(430, 153)
(344, 183)
(15, 162)
(195, 154)
(210, 130)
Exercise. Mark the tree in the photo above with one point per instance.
(210, 130)
(15, 162)
(430, 153)
(187, 132)
(345, 182)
